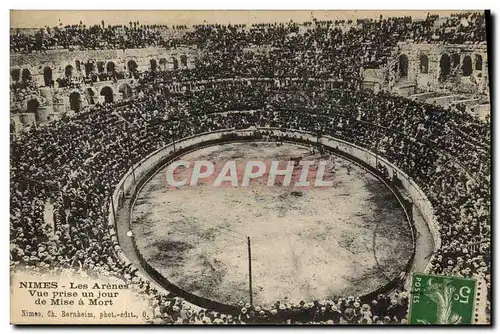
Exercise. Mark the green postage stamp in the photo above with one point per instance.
(442, 300)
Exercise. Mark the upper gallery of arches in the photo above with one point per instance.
(102, 65)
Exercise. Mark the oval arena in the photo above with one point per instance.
(307, 244)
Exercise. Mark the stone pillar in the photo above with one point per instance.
(48, 94)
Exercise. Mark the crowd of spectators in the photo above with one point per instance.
(326, 36)
(94, 37)
(74, 163)
(20, 90)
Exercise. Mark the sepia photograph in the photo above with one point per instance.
(250, 167)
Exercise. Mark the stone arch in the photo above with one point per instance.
(126, 91)
(25, 75)
(176, 63)
(89, 68)
(107, 92)
(131, 65)
(467, 66)
(184, 62)
(75, 101)
(110, 67)
(68, 71)
(78, 65)
(32, 106)
(100, 66)
(47, 76)
(444, 66)
(403, 66)
(90, 95)
(455, 60)
(478, 61)
(424, 63)
(153, 65)
(15, 74)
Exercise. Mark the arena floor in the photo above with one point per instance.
(349, 239)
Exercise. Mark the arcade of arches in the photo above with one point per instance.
(446, 64)
(449, 65)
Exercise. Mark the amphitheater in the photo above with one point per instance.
(384, 219)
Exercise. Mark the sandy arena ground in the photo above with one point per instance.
(348, 239)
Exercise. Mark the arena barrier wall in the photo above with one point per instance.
(139, 174)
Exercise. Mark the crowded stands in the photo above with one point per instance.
(73, 164)
(378, 35)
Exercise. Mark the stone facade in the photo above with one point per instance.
(439, 67)
(52, 101)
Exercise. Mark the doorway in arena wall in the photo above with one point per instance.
(89, 68)
(32, 106)
(153, 65)
(110, 67)
(444, 66)
(176, 63)
(467, 66)
(107, 92)
(455, 60)
(26, 75)
(424, 64)
(68, 71)
(47, 76)
(75, 101)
